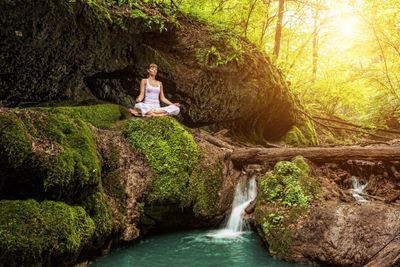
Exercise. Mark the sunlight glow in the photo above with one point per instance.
(347, 26)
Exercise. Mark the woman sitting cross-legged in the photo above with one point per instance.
(152, 92)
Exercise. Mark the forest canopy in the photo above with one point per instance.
(341, 58)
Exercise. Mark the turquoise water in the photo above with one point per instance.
(192, 249)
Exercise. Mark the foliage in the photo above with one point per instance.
(32, 232)
(171, 151)
(224, 47)
(356, 48)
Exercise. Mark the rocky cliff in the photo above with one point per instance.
(58, 50)
(71, 184)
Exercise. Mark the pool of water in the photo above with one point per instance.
(193, 249)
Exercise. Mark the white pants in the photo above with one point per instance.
(146, 108)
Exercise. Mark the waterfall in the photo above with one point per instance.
(357, 190)
(236, 225)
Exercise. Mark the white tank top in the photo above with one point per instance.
(152, 94)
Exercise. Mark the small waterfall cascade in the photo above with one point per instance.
(357, 190)
(236, 225)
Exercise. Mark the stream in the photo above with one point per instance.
(192, 249)
(234, 245)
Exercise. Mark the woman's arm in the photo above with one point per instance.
(162, 96)
(141, 94)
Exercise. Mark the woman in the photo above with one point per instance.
(152, 92)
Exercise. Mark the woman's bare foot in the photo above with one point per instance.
(155, 114)
(134, 112)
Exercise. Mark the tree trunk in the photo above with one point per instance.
(248, 17)
(278, 31)
(316, 154)
(315, 41)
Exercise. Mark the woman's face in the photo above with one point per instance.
(152, 70)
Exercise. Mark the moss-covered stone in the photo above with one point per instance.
(284, 196)
(112, 183)
(172, 155)
(185, 182)
(71, 171)
(15, 144)
(60, 162)
(96, 206)
(34, 234)
(204, 185)
(102, 116)
(303, 133)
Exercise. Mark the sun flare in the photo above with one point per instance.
(346, 27)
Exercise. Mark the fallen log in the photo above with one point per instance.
(315, 154)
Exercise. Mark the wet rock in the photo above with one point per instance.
(351, 235)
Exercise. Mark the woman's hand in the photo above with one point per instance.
(177, 104)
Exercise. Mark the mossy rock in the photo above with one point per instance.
(102, 116)
(303, 133)
(59, 157)
(60, 161)
(42, 234)
(186, 181)
(15, 144)
(172, 154)
(284, 196)
(96, 206)
(203, 188)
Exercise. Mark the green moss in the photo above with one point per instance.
(63, 165)
(284, 196)
(102, 116)
(294, 137)
(32, 232)
(112, 182)
(15, 144)
(99, 11)
(96, 206)
(73, 172)
(204, 186)
(171, 151)
(69, 169)
(302, 134)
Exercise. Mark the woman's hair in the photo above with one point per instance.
(152, 65)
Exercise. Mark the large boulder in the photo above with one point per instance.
(309, 215)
